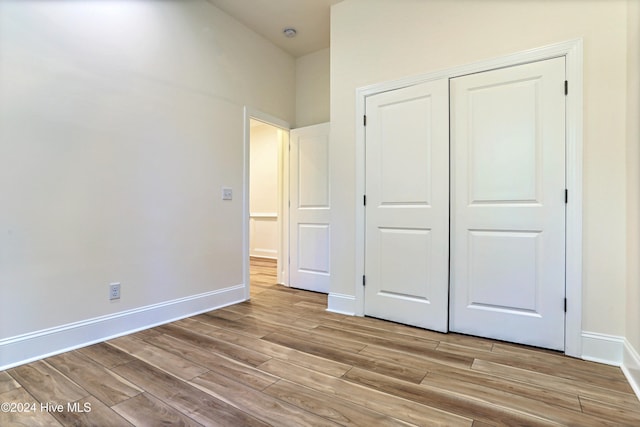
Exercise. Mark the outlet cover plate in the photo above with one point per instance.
(114, 291)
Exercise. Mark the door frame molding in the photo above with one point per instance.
(283, 183)
(572, 50)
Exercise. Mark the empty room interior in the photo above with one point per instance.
(320, 212)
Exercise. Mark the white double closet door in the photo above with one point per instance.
(465, 209)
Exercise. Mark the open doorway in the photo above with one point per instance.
(266, 195)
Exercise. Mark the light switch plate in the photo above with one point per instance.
(227, 193)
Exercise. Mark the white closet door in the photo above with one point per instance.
(310, 208)
(407, 205)
(508, 204)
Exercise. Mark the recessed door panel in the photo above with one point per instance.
(504, 141)
(410, 152)
(508, 205)
(313, 170)
(503, 270)
(313, 248)
(401, 276)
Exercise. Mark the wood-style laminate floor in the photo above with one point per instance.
(282, 360)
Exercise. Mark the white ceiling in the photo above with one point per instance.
(268, 18)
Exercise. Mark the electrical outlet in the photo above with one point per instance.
(114, 291)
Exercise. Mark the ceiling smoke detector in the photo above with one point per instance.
(289, 32)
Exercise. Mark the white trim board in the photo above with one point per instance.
(602, 348)
(37, 345)
(341, 304)
(631, 366)
(572, 51)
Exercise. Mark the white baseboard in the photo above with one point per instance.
(631, 367)
(262, 256)
(37, 345)
(342, 304)
(602, 348)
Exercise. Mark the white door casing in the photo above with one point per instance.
(407, 205)
(508, 204)
(310, 208)
(283, 189)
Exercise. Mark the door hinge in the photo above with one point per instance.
(565, 305)
(566, 196)
(364, 120)
(566, 87)
(364, 280)
(364, 200)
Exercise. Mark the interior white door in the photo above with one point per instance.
(310, 208)
(508, 204)
(407, 205)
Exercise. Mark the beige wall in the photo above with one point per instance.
(312, 88)
(120, 122)
(380, 40)
(264, 168)
(633, 175)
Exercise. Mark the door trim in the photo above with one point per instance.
(573, 52)
(283, 183)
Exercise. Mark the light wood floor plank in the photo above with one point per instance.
(253, 329)
(300, 358)
(7, 383)
(266, 313)
(371, 322)
(215, 362)
(107, 355)
(554, 363)
(223, 315)
(438, 368)
(614, 413)
(462, 350)
(33, 416)
(95, 414)
(454, 402)
(281, 319)
(337, 340)
(508, 399)
(47, 384)
(250, 357)
(260, 405)
(338, 355)
(392, 405)
(628, 400)
(94, 378)
(370, 334)
(529, 391)
(422, 360)
(332, 408)
(156, 356)
(184, 397)
(145, 410)
(571, 369)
